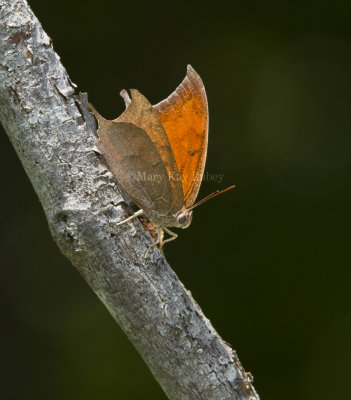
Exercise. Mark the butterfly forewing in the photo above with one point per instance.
(141, 113)
(184, 116)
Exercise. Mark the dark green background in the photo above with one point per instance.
(268, 263)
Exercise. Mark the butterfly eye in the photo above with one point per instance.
(181, 218)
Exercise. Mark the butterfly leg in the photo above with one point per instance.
(140, 212)
(160, 235)
(172, 234)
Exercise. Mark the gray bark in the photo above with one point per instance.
(54, 137)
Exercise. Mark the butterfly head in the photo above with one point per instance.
(184, 218)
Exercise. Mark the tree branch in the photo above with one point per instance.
(54, 137)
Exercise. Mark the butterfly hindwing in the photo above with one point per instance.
(136, 164)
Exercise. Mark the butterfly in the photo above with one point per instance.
(157, 153)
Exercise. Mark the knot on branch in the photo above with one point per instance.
(68, 224)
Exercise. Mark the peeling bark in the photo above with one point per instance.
(54, 136)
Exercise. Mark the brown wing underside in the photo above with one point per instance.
(141, 113)
(184, 116)
(136, 164)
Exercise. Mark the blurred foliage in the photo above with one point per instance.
(269, 263)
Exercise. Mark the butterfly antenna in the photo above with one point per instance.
(211, 196)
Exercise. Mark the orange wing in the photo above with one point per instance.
(184, 115)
